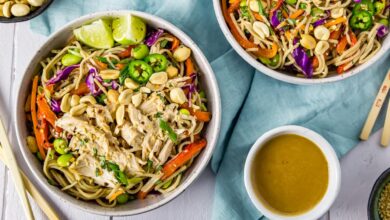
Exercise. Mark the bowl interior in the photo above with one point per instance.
(31, 15)
(334, 172)
(286, 76)
(208, 83)
(373, 201)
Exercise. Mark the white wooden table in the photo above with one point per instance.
(18, 44)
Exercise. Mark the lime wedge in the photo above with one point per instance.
(98, 34)
(128, 30)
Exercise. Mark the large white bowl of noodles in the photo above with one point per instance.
(285, 75)
(208, 83)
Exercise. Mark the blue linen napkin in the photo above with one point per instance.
(252, 103)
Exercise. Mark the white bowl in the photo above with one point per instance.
(334, 173)
(208, 83)
(283, 75)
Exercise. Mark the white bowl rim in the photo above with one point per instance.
(334, 173)
(290, 78)
(215, 130)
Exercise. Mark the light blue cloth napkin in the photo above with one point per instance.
(252, 103)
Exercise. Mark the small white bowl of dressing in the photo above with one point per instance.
(292, 172)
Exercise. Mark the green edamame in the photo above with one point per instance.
(140, 52)
(70, 59)
(122, 198)
(60, 145)
(184, 111)
(65, 160)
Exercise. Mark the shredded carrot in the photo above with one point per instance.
(285, 14)
(43, 131)
(288, 35)
(341, 68)
(278, 5)
(296, 14)
(267, 53)
(141, 195)
(342, 44)
(35, 118)
(257, 16)
(335, 21)
(116, 194)
(120, 66)
(353, 38)
(183, 157)
(189, 67)
(126, 53)
(82, 90)
(101, 65)
(334, 35)
(315, 62)
(47, 113)
(202, 116)
(234, 6)
(175, 43)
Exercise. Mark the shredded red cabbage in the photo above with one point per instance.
(303, 61)
(382, 31)
(95, 90)
(319, 22)
(113, 84)
(357, 1)
(322, 21)
(62, 74)
(55, 105)
(274, 19)
(191, 87)
(153, 37)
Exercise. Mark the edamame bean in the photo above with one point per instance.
(184, 111)
(70, 59)
(60, 145)
(384, 22)
(291, 2)
(32, 144)
(202, 94)
(65, 160)
(140, 52)
(275, 60)
(122, 198)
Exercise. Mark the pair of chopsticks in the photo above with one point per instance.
(21, 180)
(374, 112)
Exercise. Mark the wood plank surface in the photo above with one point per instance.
(6, 60)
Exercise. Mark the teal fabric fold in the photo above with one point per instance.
(252, 102)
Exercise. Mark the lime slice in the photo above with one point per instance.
(98, 34)
(128, 30)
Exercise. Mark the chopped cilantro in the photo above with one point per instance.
(101, 98)
(97, 172)
(158, 115)
(165, 127)
(149, 166)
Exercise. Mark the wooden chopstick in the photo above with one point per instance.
(35, 194)
(13, 167)
(386, 128)
(376, 107)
